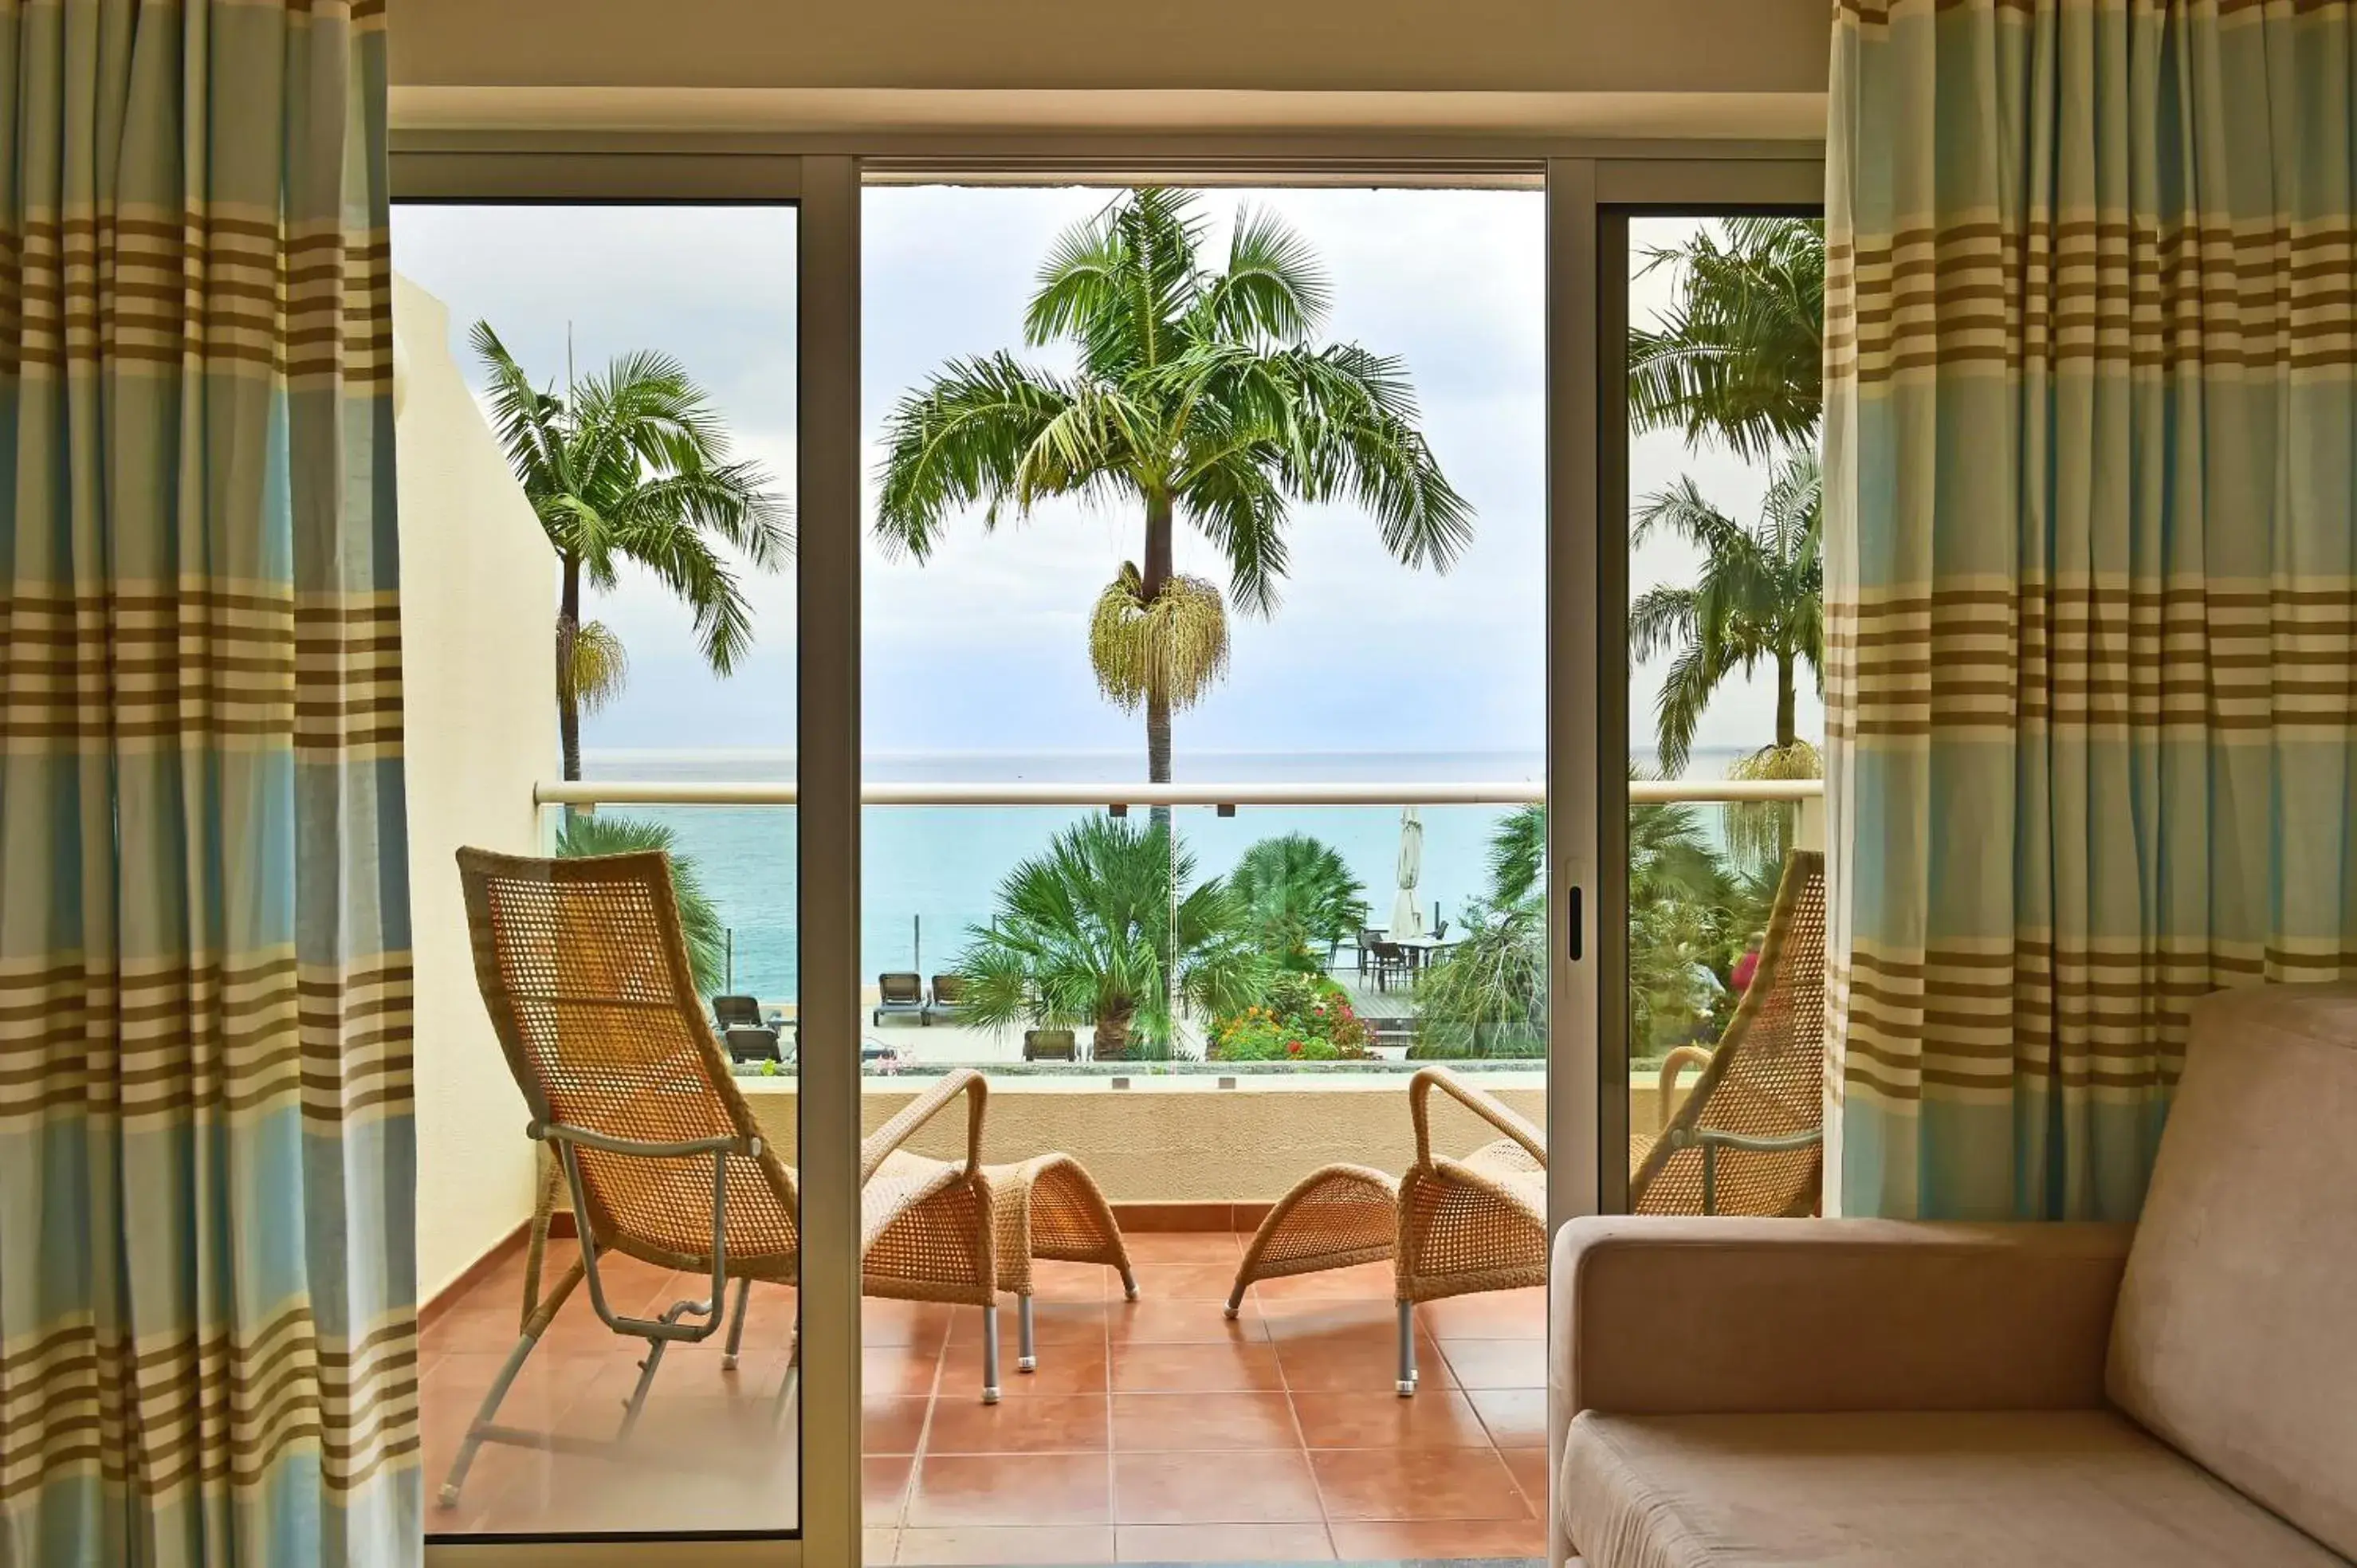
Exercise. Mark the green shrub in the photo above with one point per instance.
(1300, 1017)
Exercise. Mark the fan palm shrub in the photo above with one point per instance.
(1083, 934)
(632, 465)
(1299, 899)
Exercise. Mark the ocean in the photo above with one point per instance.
(929, 873)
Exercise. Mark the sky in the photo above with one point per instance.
(982, 649)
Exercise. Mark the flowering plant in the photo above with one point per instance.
(1301, 1017)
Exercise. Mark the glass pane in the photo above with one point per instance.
(596, 420)
(1199, 1043)
(1726, 582)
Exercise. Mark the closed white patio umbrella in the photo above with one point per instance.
(1407, 919)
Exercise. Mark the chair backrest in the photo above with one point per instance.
(586, 977)
(1766, 1080)
(2231, 1339)
(729, 1010)
(752, 1043)
(900, 986)
(949, 990)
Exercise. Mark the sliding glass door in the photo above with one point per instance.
(1138, 766)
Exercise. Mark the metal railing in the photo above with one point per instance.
(1353, 792)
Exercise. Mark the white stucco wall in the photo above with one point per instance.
(478, 598)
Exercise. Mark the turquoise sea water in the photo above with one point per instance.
(929, 872)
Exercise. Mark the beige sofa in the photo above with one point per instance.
(1867, 1391)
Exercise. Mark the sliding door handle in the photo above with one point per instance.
(1575, 941)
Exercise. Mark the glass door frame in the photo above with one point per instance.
(1624, 189)
(1586, 182)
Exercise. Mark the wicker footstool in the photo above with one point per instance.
(1450, 1226)
(1049, 1208)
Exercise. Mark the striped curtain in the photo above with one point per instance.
(2091, 460)
(207, 1302)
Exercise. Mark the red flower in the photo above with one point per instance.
(1293, 1046)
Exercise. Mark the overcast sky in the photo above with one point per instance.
(984, 647)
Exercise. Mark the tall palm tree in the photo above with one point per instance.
(633, 465)
(1759, 599)
(1083, 934)
(1200, 397)
(1738, 354)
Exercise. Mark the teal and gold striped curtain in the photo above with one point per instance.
(2091, 465)
(207, 1304)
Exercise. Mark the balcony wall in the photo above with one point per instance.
(479, 603)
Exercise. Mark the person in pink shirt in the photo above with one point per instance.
(1747, 965)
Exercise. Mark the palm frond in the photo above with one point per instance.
(1737, 358)
(963, 438)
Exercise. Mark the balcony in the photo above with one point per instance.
(1157, 1429)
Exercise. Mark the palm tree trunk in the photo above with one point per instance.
(568, 704)
(1112, 1043)
(1787, 732)
(1155, 576)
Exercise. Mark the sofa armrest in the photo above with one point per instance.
(1660, 1317)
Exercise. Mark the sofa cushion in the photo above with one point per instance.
(1951, 1489)
(2231, 1337)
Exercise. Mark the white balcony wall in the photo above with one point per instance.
(478, 611)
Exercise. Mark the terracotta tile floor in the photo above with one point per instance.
(1153, 1431)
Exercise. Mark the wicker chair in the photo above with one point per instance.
(1450, 1226)
(585, 974)
(1749, 1137)
(1749, 1140)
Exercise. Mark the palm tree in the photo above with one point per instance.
(1760, 598)
(1739, 355)
(1082, 933)
(633, 465)
(699, 918)
(1298, 896)
(1200, 397)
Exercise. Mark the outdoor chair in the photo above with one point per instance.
(585, 974)
(1049, 1046)
(731, 1010)
(1389, 959)
(949, 995)
(1450, 1226)
(1365, 941)
(752, 1043)
(1749, 1140)
(1749, 1137)
(900, 994)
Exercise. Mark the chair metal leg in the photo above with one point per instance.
(482, 1423)
(788, 1384)
(1406, 1349)
(638, 1400)
(990, 1355)
(1027, 1358)
(737, 1326)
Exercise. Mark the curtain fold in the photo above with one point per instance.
(2093, 622)
(208, 1349)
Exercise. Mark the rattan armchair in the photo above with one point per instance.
(1749, 1137)
(1748, 1140)
(1450, 1226)
(585, 974)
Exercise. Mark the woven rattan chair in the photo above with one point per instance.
(1749, 1138)
(583, 969)
(1450, 1226)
